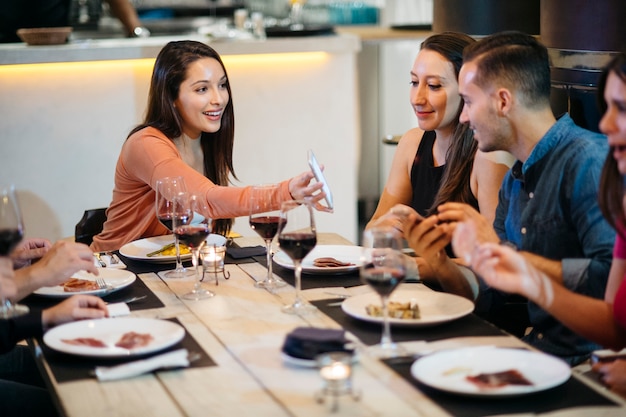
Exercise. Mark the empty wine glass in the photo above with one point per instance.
(264, 221)
(11, 233)
(166, 188)
(383, 268)
(295, 14)
(193, 235)
(297, 237)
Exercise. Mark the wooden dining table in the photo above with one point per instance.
(239, 334)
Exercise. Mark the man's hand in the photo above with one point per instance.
(28, 251)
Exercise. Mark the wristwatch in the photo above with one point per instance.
(140, 32)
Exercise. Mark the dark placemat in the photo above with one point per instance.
(573, 393)
(369, 333)
(136, 289)
(67, 367)
(349, 279)
(141, 267)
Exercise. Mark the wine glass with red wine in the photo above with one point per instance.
(383, 268)
(264, 220)
(193, 235)
(166, 188)
(11, 233)
(297, 237)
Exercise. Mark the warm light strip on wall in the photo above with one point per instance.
(298, 58)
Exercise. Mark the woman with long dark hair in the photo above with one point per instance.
(188, 131)
(439, 161)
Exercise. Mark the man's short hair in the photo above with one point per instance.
(515, 59)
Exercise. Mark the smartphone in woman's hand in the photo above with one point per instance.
(319, 176)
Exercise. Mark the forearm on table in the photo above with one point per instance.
(27, 280)
(590, 317)
(452, 277)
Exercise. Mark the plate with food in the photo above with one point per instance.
(160, 249)
(490, 371)
(417, 308)
(114, 337)
(83, 282)
(325, 259)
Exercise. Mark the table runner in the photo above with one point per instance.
(573, 393)
(136, 289)
(66, 367)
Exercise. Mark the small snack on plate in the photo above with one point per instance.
(328, 262)
(498, 379)
(85, 341)
(170, 250)
(397, 310)
(131, 340)
(78, 285)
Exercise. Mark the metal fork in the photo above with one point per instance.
(102, 284)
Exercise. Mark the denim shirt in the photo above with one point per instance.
(549, 206)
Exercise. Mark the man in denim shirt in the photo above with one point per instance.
(548, 205)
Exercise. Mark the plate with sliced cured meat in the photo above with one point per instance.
(116, 337)
(83, 282)
(325, 259)
(490, 371)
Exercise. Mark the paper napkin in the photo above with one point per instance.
(174, 359)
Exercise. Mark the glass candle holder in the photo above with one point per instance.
(336, 372)
(213, 257)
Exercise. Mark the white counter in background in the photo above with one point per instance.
(66, 110)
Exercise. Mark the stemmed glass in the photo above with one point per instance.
(383, 268)
(11, 233)
(264, 221)
(166, 189)
(295, 14)
(297, 237)
(193, 235)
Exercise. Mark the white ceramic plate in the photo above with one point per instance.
(447, 370)
(343, 253)
(435, 307)
(164, 333)
(116, 278)
(138, 249)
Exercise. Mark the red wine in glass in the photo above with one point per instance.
(166, 220)
(297, 245)
(11, 231)
(383, 280)
(265, 226)
(9, 238)
(192, 235)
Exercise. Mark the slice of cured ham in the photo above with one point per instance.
(132, 340)
(328, 262)
(85, 341)
(499, 379)
(79, 285)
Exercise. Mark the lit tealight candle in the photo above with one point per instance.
(213, 257)
(336, 371)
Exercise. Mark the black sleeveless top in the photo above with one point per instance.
(425, 177)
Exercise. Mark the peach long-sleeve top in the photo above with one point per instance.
(146, 156)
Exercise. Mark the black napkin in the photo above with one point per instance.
(307, 342)
(245, 252)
